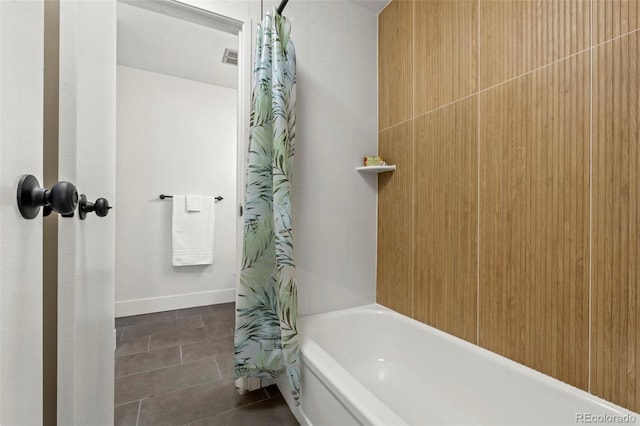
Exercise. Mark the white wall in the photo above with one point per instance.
(174, 136)
(334, 207)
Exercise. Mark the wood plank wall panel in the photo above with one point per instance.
(395, 64)
(445, 39)
(534, 220)
(615, 353)
(446, 219)
(534, 223)
(519, 36)
(613, 18)
(395, 220)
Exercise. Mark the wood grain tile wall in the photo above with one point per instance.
(613, 18)
(395, 35)
(446, 218)
(520, 36)
(615, 321)
(513, 219)
(395, 220)
(445, 38)
(534, 220)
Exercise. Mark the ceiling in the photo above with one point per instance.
(159, 43)
(153, 41)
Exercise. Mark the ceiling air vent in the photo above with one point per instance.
(230, 57)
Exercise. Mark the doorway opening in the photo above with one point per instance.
(179, 123)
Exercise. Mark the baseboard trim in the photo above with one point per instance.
(125, 308)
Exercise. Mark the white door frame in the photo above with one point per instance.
(86, 337)
(86, 248)
(245, 66)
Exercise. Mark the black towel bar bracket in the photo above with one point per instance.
(162, 197)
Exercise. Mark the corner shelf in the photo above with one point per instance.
(376, 169)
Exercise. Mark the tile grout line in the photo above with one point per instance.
(139, 409)
(590, 190)
(166, 366)
(215, 359)
(150, 370)
(237, 408)
(585, 50)
(181, 360)
(478, 186)
(208, 382)
(404, 121)
(413, 160)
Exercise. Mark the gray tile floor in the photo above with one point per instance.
(175, 368)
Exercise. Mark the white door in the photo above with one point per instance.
(86, 248)
(86, 283)
(21, 82)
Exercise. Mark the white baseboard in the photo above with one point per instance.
(125, 308)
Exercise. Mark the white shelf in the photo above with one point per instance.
(376, 169)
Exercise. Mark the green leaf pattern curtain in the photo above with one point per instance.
(266, 337)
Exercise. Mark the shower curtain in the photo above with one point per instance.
(266, 337)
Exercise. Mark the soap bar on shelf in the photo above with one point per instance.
(374, 160)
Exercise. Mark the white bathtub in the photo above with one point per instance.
(370, 365)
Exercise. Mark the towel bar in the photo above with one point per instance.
(162, 197)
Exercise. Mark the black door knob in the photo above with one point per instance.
(62, 198)
(101, 207)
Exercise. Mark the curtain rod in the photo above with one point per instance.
(283, 3)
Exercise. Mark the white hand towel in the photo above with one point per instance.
(192, 232)
(194, 202)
